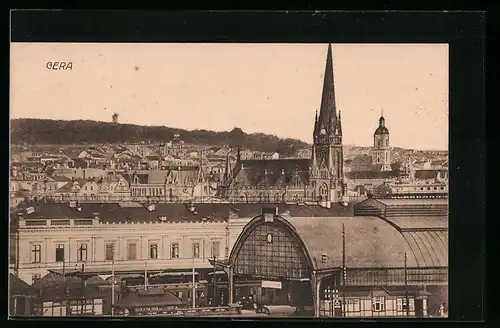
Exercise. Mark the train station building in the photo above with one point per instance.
(390, 259)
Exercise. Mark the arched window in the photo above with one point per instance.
(323, 191)
(271, 250)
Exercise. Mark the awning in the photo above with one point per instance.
(217, 272)
(185, 273)
(130, 276)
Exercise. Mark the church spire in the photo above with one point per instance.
(228, 174)
(316, 125)
(328, 115)
(315, 167)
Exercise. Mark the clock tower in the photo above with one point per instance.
(327, 176)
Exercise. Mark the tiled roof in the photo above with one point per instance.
(252, 172)
(17, 286)
(59, 178)
(415, 201)
(252, 210)
(173, 212)
(419, 222)
(370, 242)
(164, 299)
(370, 174)
(426, 174)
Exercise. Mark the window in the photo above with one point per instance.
(153, 251)
(215, 248)
(132, 251)
(378, 303)
(109, 251)
(36, 253)
(401, 304)
(175, 250)
(196, 250)
(353, 305)
(35, 277)
(60, 252)
(82, 252)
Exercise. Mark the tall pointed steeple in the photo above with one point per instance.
(228, 174)
(328, 115)
(339, 125)
(331, 167)
(315, 167)
(316, 126)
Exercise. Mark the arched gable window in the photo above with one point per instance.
(271, 250)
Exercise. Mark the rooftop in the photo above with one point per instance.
(172, 212)
(371, 242)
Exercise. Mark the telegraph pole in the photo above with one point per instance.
(344, 272)
(215, 286)
(194, 287)
(83, 287)
(145, 275)
(113, 282)
(406, 288)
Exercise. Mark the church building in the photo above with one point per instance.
(381, 151)
(319, 178)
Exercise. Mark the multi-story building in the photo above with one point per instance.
(381, 151)
(326, 261)
(320, 178)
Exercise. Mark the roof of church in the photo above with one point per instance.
(272, 172)
(381, 130)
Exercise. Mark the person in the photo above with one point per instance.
(441, 310)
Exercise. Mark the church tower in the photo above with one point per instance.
(381, 151)
(327, 156)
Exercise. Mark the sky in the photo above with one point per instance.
(269, 88)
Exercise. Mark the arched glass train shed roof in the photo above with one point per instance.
(370, 242)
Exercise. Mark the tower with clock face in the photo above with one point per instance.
(327, 173)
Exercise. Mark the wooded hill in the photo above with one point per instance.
(40, 131)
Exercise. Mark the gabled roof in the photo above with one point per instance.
(254, 171)
(17, 286)
(134, 299)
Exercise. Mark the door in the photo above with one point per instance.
(419, 307)
(337, 309)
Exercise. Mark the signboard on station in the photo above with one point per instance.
(271, 284)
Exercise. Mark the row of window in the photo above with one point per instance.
(82, 251)
(379, 304)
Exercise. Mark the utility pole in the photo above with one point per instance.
(406, 288)
(83, 287)
(113, 282)
(66, 291)
(194, 287)
(145, 275)
(213, 280)
(344, 272)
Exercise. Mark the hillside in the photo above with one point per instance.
(58, 132)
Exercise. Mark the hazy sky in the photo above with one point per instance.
(269, 88)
